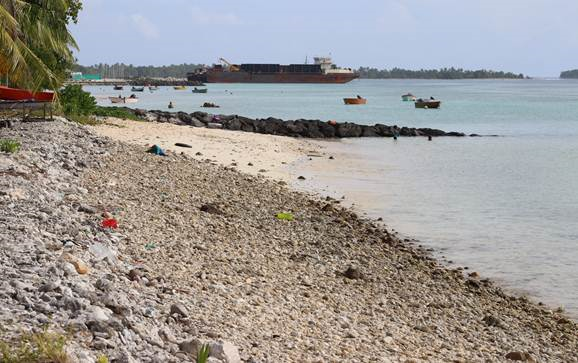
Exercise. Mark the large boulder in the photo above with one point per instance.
(369, 131)
(348, 129)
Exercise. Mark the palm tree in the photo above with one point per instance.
(35, 41)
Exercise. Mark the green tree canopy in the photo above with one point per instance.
(35, 43)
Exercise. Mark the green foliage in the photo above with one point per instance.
(121, 70)
(572, 74)
(203, 354)
(35, 44)
(102, 359)
(9, 146)
(118, 112)
(75, 101)
(443, 73)
(43, 347)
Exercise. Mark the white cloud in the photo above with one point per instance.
(145, 26)
(203, 17)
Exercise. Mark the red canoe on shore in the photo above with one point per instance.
(16, 94)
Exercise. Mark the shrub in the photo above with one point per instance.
(118, 112)
(35, 348)
(75, 101)
(9, 146)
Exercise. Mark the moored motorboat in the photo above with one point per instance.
(118, 88)
(153, 88)
(17, 94)
(179, 88)
(131, 99)
(408, 97)
(355, 101)
(137, 89)
(431, 103)
(199, 90)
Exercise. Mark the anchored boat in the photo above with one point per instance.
(180, 88)
(137, 89)
(408, 97)
(199, 90)
(355, 101)
(431, 103)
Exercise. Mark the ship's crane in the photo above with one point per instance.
(231, 66)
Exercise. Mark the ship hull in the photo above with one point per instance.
(246, 77)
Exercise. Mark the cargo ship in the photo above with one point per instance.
(322, 71)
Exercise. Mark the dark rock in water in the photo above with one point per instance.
(431, 132)
(301, 177)
(211, 209)
(197, 123)
(369, 131)
(180, 144)
(348, 129)
(475, 135)
(296, 128)
(353, 273)
(185, 117)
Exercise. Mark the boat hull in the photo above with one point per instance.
(355, 101)
(200, 90)
(408, 98)
(247, 77)
(428, 104)
(15, 94)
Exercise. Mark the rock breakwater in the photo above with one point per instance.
(294, 128)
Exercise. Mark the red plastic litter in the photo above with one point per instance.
(109, 223)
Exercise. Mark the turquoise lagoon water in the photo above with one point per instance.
(504, 206)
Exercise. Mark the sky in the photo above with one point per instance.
(535, 37)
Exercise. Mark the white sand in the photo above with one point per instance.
(274, 154)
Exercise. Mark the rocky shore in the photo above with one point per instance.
(294, 128)
(196, 254)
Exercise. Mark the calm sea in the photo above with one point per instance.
(504, 206)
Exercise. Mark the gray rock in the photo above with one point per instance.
(178, 309)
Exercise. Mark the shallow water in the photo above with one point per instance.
(504, 206)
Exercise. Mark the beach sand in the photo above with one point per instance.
(247, 152)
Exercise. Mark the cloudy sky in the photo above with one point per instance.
(535, 37)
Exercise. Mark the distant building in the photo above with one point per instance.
(78, 76)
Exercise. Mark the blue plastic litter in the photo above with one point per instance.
(155, 149)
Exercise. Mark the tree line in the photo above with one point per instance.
(121, 70)
(442, 73)
(572, 74)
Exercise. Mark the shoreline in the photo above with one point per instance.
(221, 267)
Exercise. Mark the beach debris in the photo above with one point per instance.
(285, 216)
(520, 356)
(134, 274)
(155, 149)
(150, 246)
(353, 273)
(211, 209)
(180, 144)
(80, 267)
(109, 223)
(198, 153)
